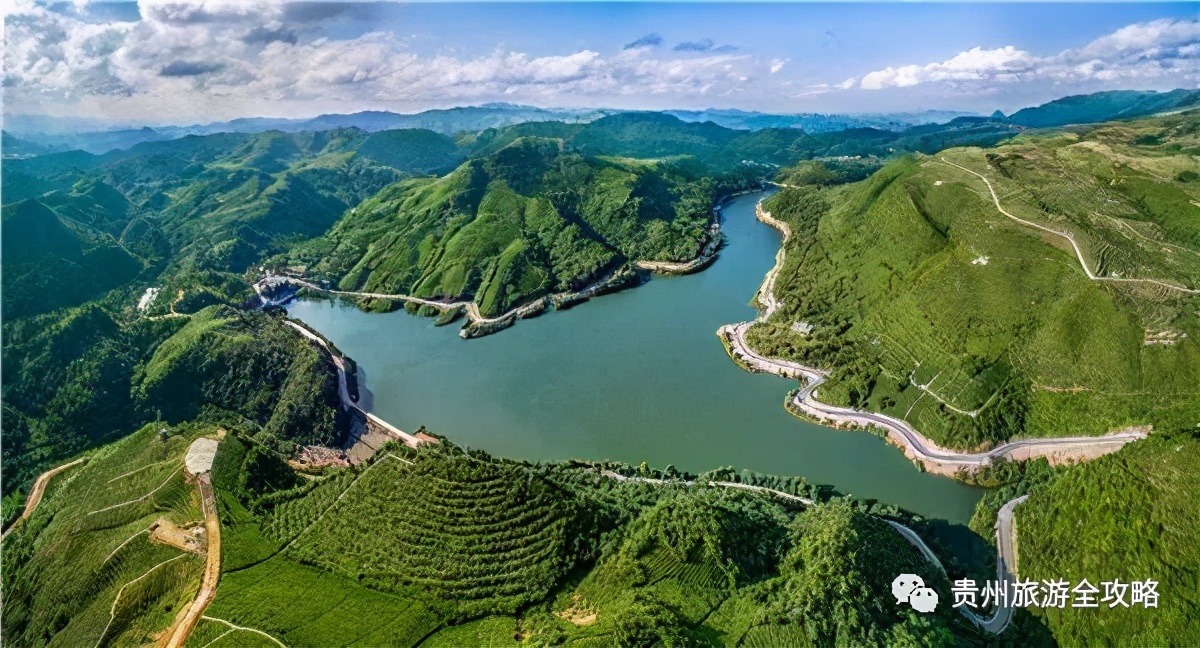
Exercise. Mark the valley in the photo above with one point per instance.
(1014, 307)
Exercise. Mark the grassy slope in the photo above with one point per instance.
(63, 568)
(1128, 516)
(82, 377)
(248, 363)
(474, 550)
(50, 264)
(885, 270)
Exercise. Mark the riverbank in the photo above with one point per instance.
(271, 290)
(632, 377)
(917, 447)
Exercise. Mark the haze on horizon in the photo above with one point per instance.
(192, 62)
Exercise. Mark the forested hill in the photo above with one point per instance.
(1048, 286)
(448, 547)
(83, 376)
(530, 219)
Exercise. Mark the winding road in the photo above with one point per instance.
(1070, 239)
(38, 490)
(916, 446)
(475, 318)
(1006, 550)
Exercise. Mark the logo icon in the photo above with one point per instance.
(910, 588)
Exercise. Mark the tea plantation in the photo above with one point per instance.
(930, 304)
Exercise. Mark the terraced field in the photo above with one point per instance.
(82, 570)
(489, 536)
(978, 325)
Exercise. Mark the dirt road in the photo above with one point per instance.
(178, 635)
(38, 490)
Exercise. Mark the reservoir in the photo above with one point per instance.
(634, 376)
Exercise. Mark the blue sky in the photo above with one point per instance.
(203, 61)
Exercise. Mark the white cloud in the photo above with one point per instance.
(210, 58)
(1161, 49)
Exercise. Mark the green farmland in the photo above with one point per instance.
(931, 305)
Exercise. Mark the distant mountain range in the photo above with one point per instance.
(26, 135)
(35, 135)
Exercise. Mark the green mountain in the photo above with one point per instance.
(72, 570)
(80, 377)
(51, 263)
(1104, 106)
(1073, 311)
(446, 547)
(529, 219)
(1117, 519)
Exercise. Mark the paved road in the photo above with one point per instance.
(919, 446)
(38, 490)
(344, 391)
(1006, 563)
(474, 316)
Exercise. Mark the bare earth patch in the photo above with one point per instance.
(577, 613)
(190, 539)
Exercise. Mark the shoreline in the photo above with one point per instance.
(627, 275)
(916, 446)
(477, 325)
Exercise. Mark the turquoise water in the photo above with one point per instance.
(634, 376)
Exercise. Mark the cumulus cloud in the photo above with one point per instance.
(649, 40)
(1167, 50)
(213, 58)
(976, 64)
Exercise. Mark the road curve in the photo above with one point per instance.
(1070, 239)
(344, 391)
(1006, 552)
(915, 445)
(38, 490)
(475, 318)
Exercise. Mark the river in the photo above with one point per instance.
(634, 376)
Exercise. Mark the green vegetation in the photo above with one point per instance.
(1104, 106)
(449, 547)
(88, 543)
(49, 264)
(247, 363)
(80, 377)
(1127, 517)
(524, 221)
(930, 305)
(926, 301)
(455, 547)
